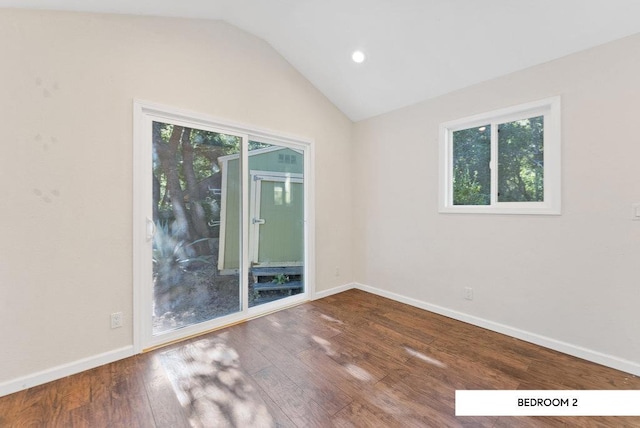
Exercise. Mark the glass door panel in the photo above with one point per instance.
(276, 217)
(196, 212)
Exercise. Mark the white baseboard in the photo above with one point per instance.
(334, 290)
(547, 342)
(64, 370)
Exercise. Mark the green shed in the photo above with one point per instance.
(276, 209)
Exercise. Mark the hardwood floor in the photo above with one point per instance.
(349, 360)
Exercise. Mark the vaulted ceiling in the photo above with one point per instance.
(415, 49)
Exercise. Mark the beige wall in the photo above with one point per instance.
(67, 82)
(572, 278)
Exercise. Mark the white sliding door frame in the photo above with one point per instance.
(145, 114)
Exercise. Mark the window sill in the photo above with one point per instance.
(539, 210)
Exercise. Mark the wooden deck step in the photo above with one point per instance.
(272, 286)
(257, 272)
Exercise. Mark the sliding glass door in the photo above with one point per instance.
(224, 229)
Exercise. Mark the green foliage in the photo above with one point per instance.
(255, 145)
(467, 190)
(521, 160)
(207, 148)
(253, 296)
(520, 163)
(172, 257)
(471, 173)
(280, 279)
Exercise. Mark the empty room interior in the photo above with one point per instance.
(299, 213)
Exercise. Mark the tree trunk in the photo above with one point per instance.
(168, 160)
(198, 215)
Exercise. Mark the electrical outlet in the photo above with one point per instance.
(116, 320)
(468, 293)
(337, 271)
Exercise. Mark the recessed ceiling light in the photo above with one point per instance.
(358, 56)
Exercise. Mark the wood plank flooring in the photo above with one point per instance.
(350, 360)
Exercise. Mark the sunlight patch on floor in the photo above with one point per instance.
(324, 344)
(358, 372)
(424, 358)
(210, 384)
(276, 324)
(328, 318)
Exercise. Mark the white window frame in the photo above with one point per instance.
(551, 204)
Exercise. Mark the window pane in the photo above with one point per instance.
(471, 173)
(521, 160)
(276, 230)
(190, 283)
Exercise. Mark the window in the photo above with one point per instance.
(502, 162)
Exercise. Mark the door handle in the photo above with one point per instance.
(151, 229)
(258, 221)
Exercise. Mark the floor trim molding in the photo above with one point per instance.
(54, 373)
(547, 342)
(335, 290)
